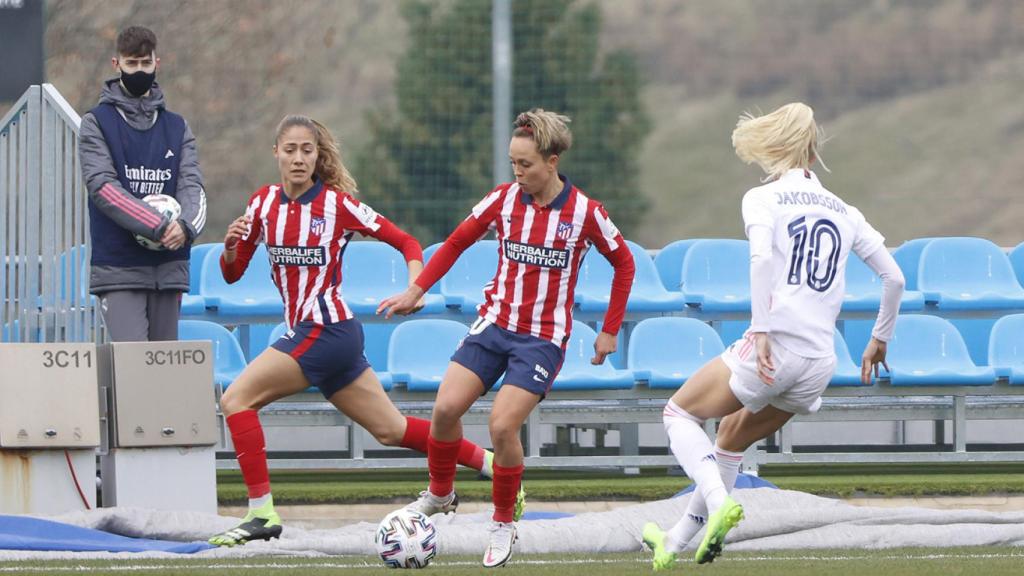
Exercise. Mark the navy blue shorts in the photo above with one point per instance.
(527, 361)
(330, 355)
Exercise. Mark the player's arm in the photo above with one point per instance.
(362, 219)
(883, 264)
(240, 241)
(759, 227)
(465, 234)
(105, 189)
(190, 194)
(602, 233)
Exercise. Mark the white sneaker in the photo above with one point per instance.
(503, 534)
(428, 504)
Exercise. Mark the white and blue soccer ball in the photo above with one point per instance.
(406, 539)
(165, 205)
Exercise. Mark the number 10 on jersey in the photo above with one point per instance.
(815, 253)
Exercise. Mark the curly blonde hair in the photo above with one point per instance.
(329, 167)
(548, 129)
(780, 141)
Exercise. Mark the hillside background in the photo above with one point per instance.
(921, 98)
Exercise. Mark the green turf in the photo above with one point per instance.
(988, 561)
(652, 484)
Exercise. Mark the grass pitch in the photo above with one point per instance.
(903, 561)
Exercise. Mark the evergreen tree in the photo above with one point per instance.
(430, 157)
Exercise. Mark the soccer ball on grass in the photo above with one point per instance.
(406, 539)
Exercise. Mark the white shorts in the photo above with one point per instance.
(799, 381)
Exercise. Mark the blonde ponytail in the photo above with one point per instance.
(780, 141)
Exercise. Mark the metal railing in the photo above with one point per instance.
(44, 227)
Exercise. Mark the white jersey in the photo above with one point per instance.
(812, 233)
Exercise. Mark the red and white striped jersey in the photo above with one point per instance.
(539, 256)
(306, 239)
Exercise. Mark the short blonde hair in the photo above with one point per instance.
(549, 130)
(785, 139)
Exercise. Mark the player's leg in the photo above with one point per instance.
(365, 401)
(124, 315)
(695, 517)
(736, 433)
(705, 395)
(512, 406)
(272, 375)
(460, 387)
(741, 430)
(163, 307)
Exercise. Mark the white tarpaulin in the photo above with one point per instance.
(775, 519)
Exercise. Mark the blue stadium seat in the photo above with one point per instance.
(376, 340)
(372, 271)
(968, 274)
(666, 351)
(648, 294)
(258, 336)
(578, 373)
(79, 268)
(229, 361)
(420, 349)
(193, 302)
(847, 371)
(669, 263)
(427, 253)
(71, 278)
(375, 353)
(864, 290)
(463, 285)
(1006, 348)
(716, 276)
(928, 351)
(908, 257)
(1017, 261)
(253, 294)
(276, 333)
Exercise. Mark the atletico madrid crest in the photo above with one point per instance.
(564, 230)
(317, 225)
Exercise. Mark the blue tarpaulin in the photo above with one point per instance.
(26, 533)
(742, 481)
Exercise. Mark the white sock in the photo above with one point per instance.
(488, 468)
(695, 454)
(255, 503)
(696, 514)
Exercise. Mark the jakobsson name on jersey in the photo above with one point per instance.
(809, 199)
(536, 255)
(297, 255)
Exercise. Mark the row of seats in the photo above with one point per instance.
(702, 275)
(663, 353)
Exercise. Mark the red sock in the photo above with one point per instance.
(251, 448)
(504, 488)
(416, 432)
(441, 458)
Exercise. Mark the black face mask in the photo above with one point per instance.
(138, 83)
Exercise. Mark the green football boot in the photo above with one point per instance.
(654, 538)
(724, 519)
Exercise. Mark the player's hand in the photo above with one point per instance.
(402, 304)
(765, 364)
(419, 304)
(604, 345)
(236, 231)
(874, 354)
(174, 236)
